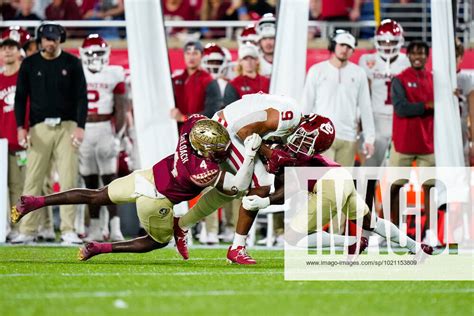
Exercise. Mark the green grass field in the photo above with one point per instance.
(50, 281)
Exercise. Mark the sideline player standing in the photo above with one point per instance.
(381, 67)
(99, 151)
(266, 30)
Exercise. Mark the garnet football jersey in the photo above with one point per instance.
(183, 175)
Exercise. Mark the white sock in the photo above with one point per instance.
(339, 240)
(395, 233)
(239, 240)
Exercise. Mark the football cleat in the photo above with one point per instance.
(180, 238)
(239, 255)
(363, 244)
(26, 204)
(427, 249)
(88, 251)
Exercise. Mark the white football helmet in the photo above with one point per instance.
(95, 53)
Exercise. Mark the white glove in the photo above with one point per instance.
(252, 144)
(255, 203)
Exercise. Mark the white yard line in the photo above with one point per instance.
(184, 273)
(124, 294)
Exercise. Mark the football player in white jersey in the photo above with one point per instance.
(273, 118)
(266, 30)
(465, 94)
(99, 151)
(217, 61)
(381, 67)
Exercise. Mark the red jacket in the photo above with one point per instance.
(246, 85)
(8, 127)
(413, 124)
(190, 91)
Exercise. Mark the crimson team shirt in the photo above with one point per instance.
(246, 85)
(415, 134)
(183, 175)
(190, 91)
(8, 127)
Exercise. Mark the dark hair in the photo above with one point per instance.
(10, 43)
(418, 44)
(28, 44)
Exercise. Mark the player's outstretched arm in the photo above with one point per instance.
(232, 184)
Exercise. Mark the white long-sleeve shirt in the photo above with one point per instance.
(340, 94)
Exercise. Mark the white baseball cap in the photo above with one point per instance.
(345, 38)
(248, 50)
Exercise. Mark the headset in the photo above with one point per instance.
(332, 39)
(39, 31)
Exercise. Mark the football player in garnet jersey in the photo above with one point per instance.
(99, 150)
(381, 67)
(314, 136)
(203, 143)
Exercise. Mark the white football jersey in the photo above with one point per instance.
(101, 87)
(265, 67)
(239, 113)
(380, 74)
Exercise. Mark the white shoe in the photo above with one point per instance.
(431, 238)
(95, 233)
(104, 223)
(203, 234)
(280, 241)
(212, 239)
(13, 234)
(227, 235)
(46, 234)
(70, 238)
(23, 239)
(115, 232)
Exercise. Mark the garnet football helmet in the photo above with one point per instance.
(266, 26)
(95, 53)
(389, 39)
(210, 139)
(248, 35)
(314, 135)
(214, 60)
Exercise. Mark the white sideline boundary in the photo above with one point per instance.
(122, 294)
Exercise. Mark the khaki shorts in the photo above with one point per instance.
(324, 194)
(405, 160)
(155, 214)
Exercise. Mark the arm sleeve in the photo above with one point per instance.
(401, 106)
(213, 101)
(241, 180)
(81, 95)
(21, 95)
(308, 99)
(230, 94)
(365, 106)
